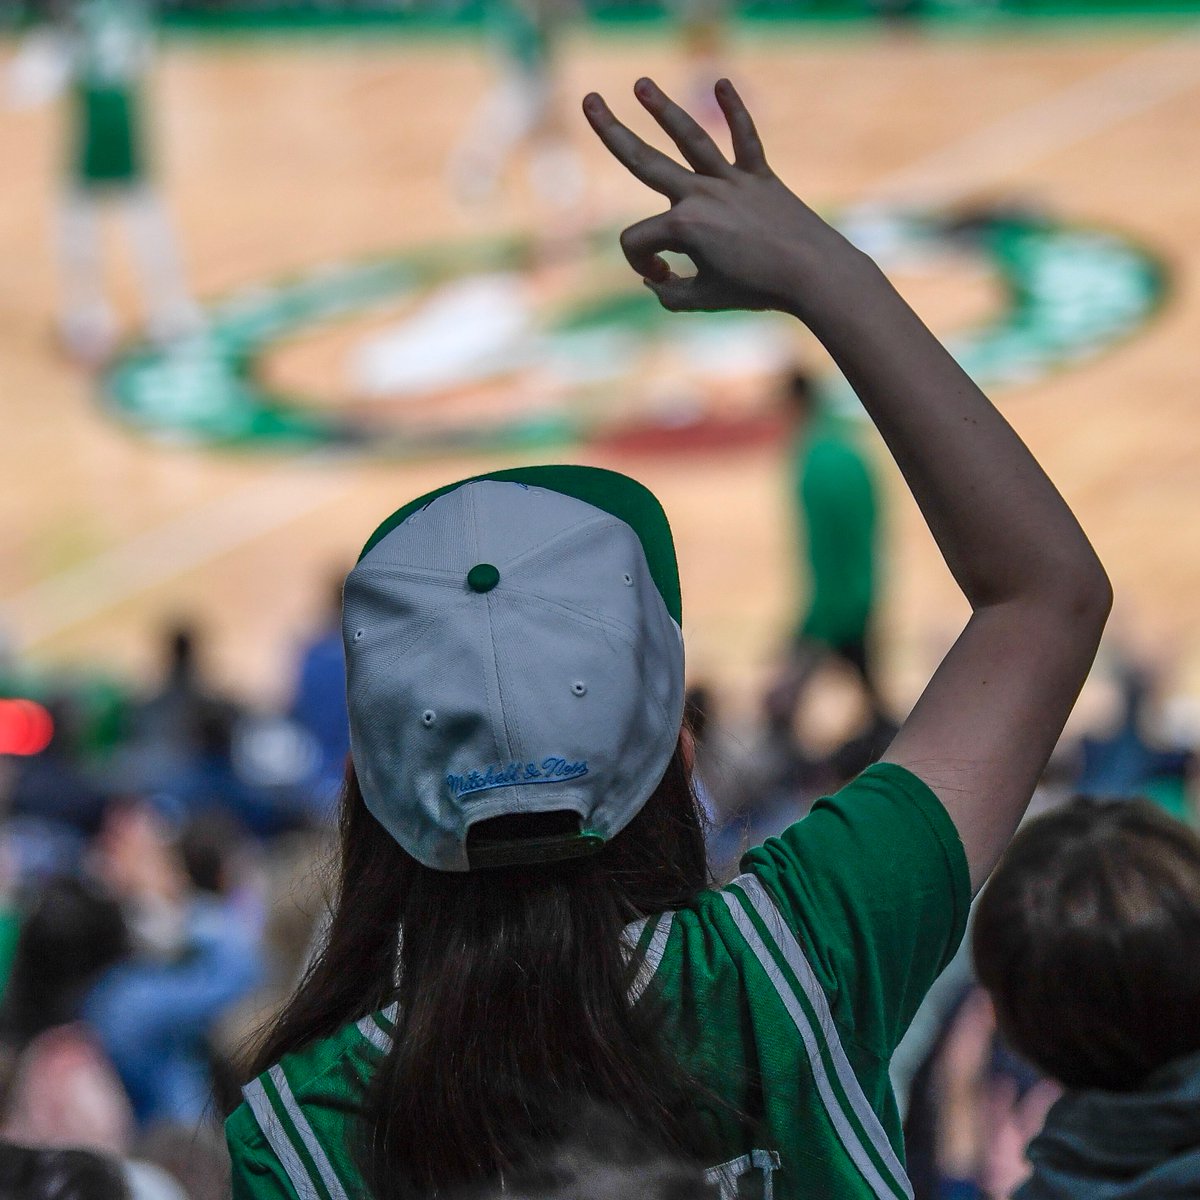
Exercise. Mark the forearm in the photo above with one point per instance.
(1003, 529)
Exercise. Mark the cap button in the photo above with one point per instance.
(482, 577)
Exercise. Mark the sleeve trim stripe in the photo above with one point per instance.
(812, 1041)
(305, 1130)
(795, 958)
(653, 957)
(370, 1028)
(277, 1139)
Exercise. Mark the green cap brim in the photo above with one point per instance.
(609, 491)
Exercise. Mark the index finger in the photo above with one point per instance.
(748, 150)
(640, 159)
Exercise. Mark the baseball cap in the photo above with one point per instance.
(513, 647)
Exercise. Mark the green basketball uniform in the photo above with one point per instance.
(111, 47)
(784, 993)
(522, 31)
(836, 500)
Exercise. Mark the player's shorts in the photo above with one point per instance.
(108, 145)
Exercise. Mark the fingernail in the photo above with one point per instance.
(643, 87)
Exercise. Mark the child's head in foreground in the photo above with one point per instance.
(1088, 939)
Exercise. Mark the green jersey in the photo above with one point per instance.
(111, 49)
(836, 500)
(784, 993)
(523, 32)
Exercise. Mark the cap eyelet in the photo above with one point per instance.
(579, 688)
(428, 717)
(628, 579)
(358, 634)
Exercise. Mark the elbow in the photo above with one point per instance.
(1084, 596)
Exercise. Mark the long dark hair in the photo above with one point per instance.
(513, 990)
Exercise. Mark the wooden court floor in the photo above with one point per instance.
(278, 156)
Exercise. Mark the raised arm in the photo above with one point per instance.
(986, 723)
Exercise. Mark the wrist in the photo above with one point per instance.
(828, 289)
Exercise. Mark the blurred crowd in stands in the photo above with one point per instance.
(147, 848)
(161, 884)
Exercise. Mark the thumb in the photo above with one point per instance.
(682, 293)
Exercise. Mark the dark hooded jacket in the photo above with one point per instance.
(1142, 1145)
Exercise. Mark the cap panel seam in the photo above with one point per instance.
(576, 612)
(582, 616)
(385, 656)
(570, 531)
(495, 687)
(439, 578)
(508, 734)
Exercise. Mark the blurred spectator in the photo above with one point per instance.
(1086, 938)
(154, 1012)
(210, 779)
(1129, 760)
(133, 858)
(319, 701)
(34, 1173)
(59, 1087)
(168, 715)
(51, 788)
(28, 1173)
(973, 1107)
(106, 1025)
(164, 728)
(196, 1157)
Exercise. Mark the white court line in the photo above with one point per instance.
(986, 156)
(171, 549)
(981, 158)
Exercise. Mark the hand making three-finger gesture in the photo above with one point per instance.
(754, 243)
(985, 725)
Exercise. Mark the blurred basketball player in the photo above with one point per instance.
(704, 37)
(521, 111)
(837, 507)
(101, 51)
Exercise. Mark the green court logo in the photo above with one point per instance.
(486, 347)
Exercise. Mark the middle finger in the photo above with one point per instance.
(694, 143)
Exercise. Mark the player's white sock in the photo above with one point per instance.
(170, 310)
(87, 325)
(506, 117)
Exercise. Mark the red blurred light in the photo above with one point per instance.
(25, 727)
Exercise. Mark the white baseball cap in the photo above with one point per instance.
(513, 646)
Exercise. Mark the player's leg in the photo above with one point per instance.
(498, 126)
(704, 37)
(87, 325)
(789, 685)
(556, 175)
(170, 310)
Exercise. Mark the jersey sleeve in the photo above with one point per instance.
(874, 884)
(255, 1171)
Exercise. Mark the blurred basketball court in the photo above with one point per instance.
(290, 159)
